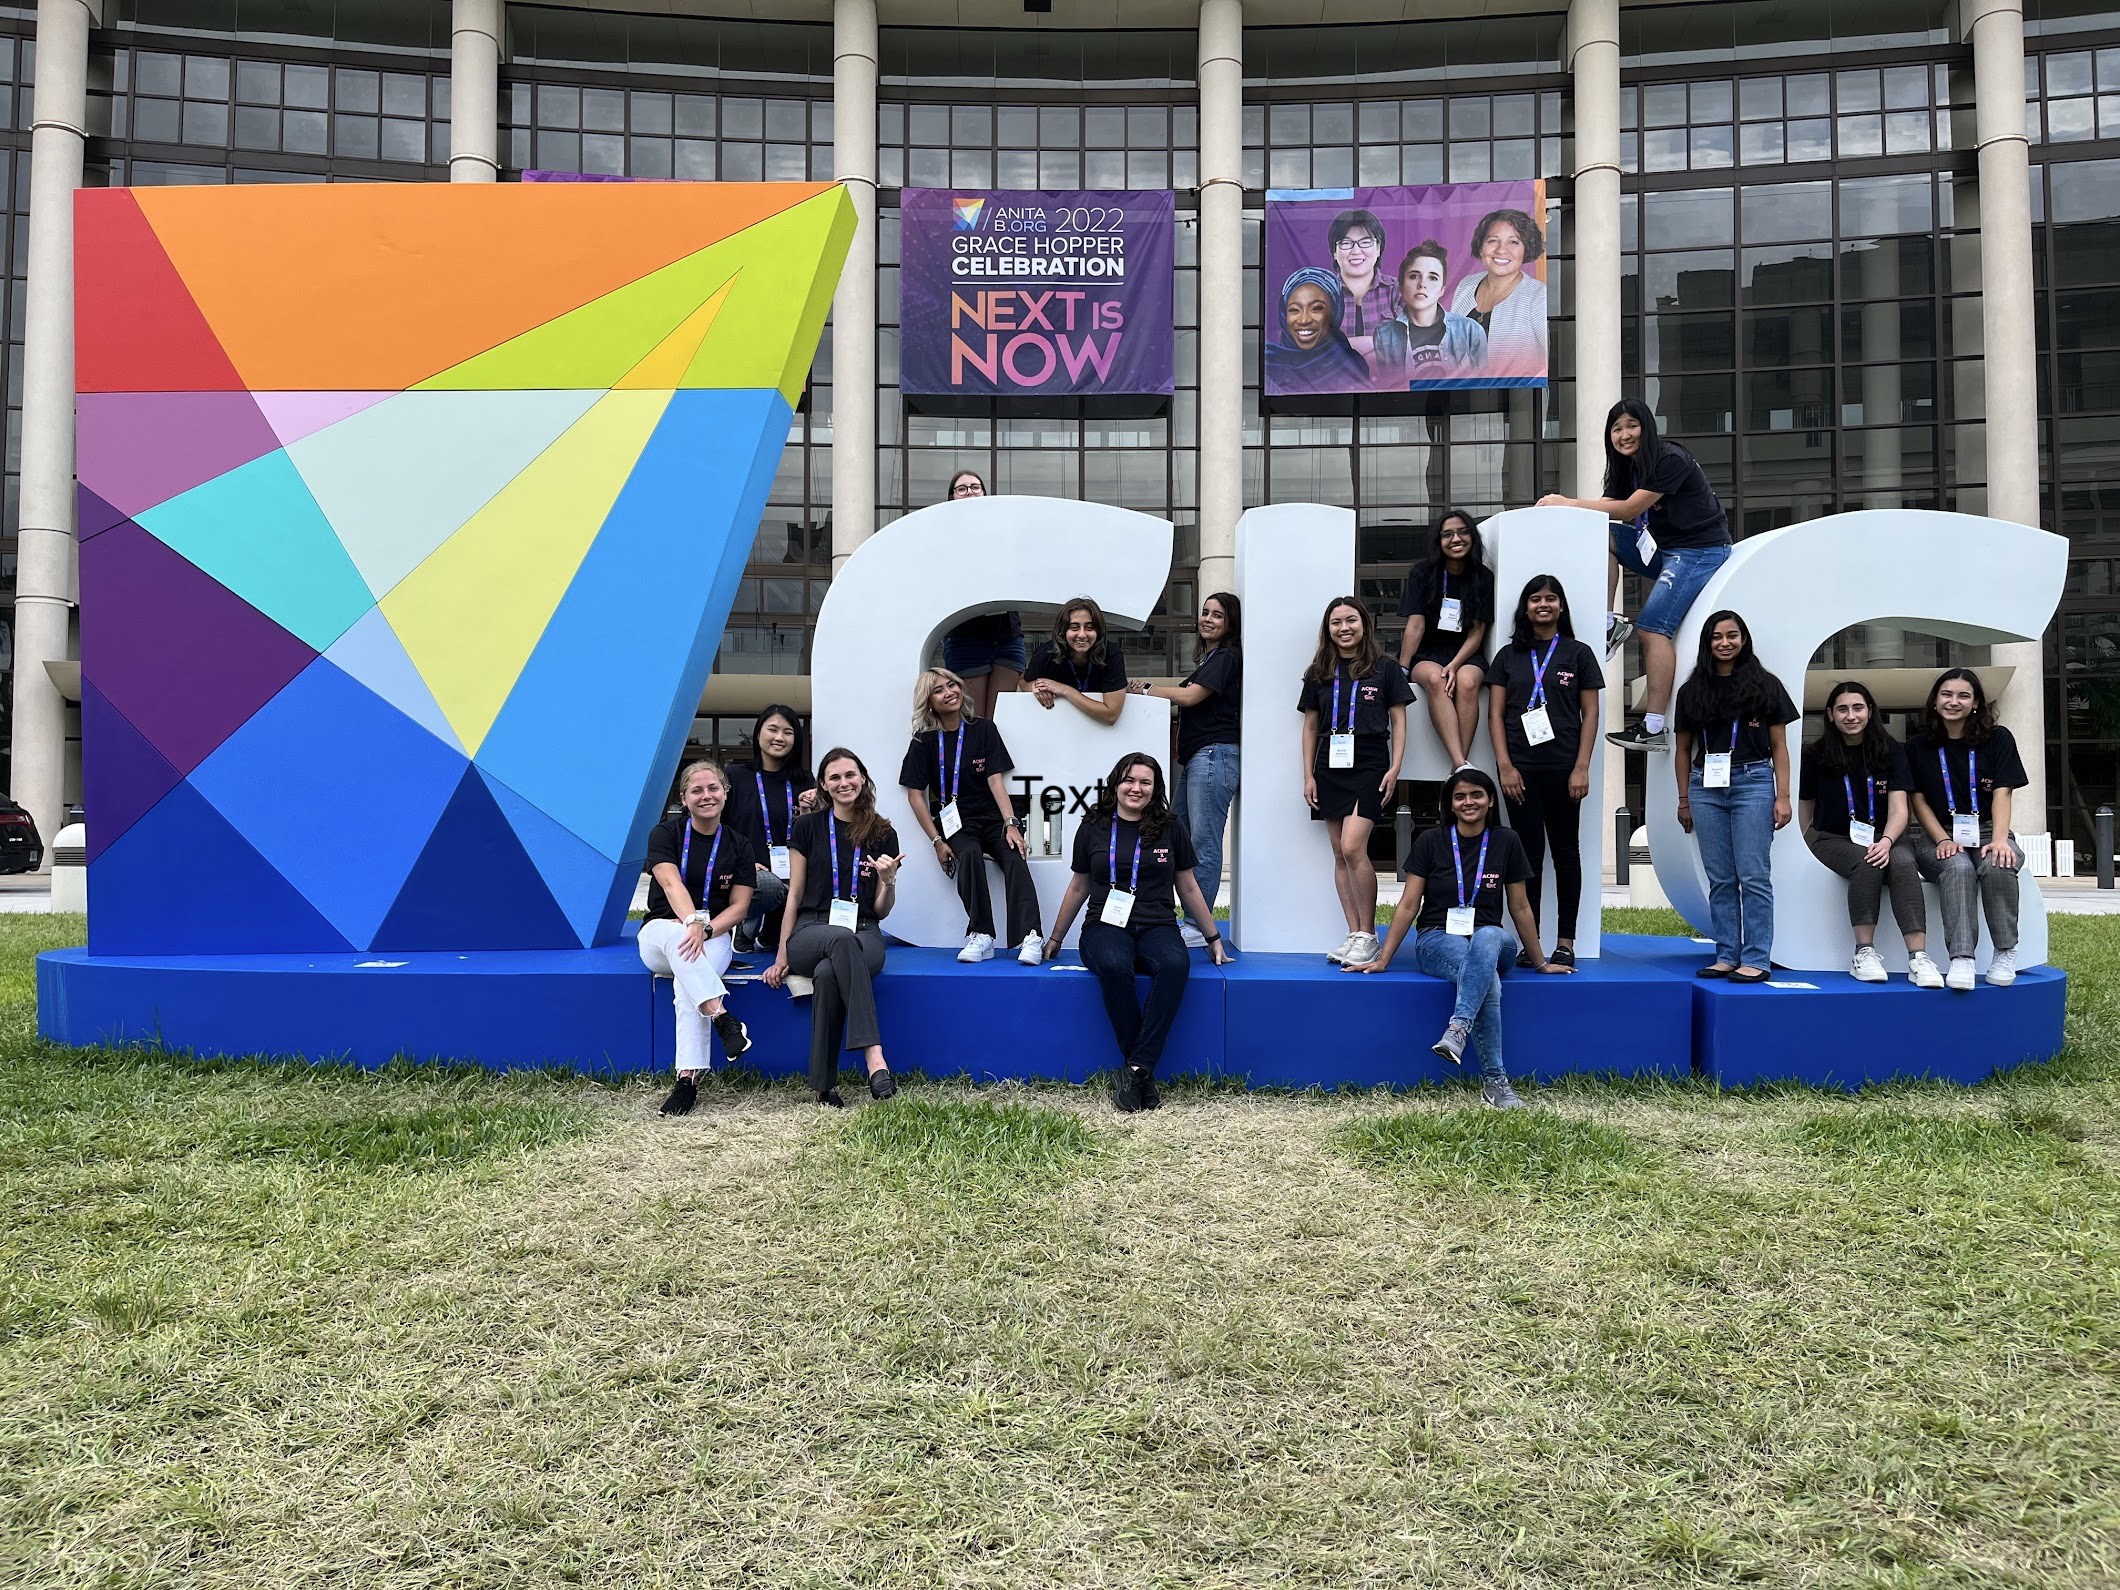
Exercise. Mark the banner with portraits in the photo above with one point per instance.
(1373, 290)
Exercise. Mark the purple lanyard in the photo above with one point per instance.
(1111, 862)
(1869, 797)
(1972, 779)
(955, 773)
(684, 862)
(765, 815)
(1457, 864)
(1538, 673)
(1336, 729)
(831, 826)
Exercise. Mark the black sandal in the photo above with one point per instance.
(1563, 955)
(1715, 971)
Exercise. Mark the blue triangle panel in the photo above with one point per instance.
(474, 887)
(182, 881)
(122, 775)
(580, 880)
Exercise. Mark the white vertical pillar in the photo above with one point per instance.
(2009, 356)
(475, 91)
(1221, 290)
(854, 305)
(44, 568)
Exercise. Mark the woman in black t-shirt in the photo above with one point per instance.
(1132, 857)
(1966, 769)
(1733, 790)
(766, 795)
(1210, 712)
(699, 888)
(1354, 737)
(842, 883)
(1079, 664)
(1447, 600)
(1458, 878)
(1543, 703)
(985, 651)
(1851, 801)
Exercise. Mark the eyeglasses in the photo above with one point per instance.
(968, 488)
(1355, 242)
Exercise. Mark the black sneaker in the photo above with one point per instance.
(743, 939)
(735, 1036)
(1126, 1091)
(1523, 960)
(681, 1099)
(1636, 737)
(1618, 631)
(881, 1085)
(1150, 1098)
(831, 1100)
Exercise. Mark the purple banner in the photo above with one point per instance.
(1035, 294)
(1405, 289)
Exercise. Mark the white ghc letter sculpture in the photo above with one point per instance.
(1957, 575)
(924, 574)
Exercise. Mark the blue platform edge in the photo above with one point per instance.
(1280, 1021)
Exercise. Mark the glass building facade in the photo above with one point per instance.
(1801, 235)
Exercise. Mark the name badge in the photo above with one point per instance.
(1965, 828)
(1341, 752)
(1118, 908)
(952, 820)
(1538, 726)
(1864, 834)
(1715, 774)
(1645, 547)
(1452, 614)
(777, 860)
(846, 914)
(1459, 920)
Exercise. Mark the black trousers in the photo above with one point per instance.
(1549, 815)
(1115, 954)
(989, 837)
(841, 964)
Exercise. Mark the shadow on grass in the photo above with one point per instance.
(935, 1145)
(1487, 1150)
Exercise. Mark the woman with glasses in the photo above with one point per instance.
(986, 652)
(1367, 298)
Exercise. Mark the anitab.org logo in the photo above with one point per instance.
(968, 212)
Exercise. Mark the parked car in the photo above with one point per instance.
(21, 848)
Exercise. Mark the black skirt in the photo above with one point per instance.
(1349, 792)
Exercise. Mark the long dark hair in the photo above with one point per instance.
(1871, 754)
(1979, 723)
(1233, 620)
(867, 825)
(797, 759)
(1473, 776)
(1520, 629)
(1107, 807)
(1080, 604)
(1427, 575)
(1624, 475)
(1327, 660)
(1751, 687)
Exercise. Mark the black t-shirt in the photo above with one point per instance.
(766, 826)
(734, 863)
(1711, 731)
(1572, 669)
(1369, 701)
(1689, 513)
(1429, 860)
(1215, 720)
(1421, 594)
(1100, 678)
(1829, 791)
(932, 758)
(1162, 859)
(1996, 763)
(813, 842)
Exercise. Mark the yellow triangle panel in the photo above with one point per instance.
(764, 335)
(664, 368)
(471, 614)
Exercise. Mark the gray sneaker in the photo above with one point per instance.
(1497, 1094)
(1618, 631)
(1451, 1046)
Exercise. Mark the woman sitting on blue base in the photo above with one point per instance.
(1132, 856)
(766, 795)
(1457, 878)
(699, 889)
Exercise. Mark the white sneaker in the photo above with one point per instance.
(1961, 977)
(1923, 972)
(799, 987)
(1364, 949)
(1338, 957)
(2002, 970)
(1033, 950)
(1868, 966)
(977, 947)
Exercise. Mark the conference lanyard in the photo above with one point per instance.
(1450, 611)
(1537, 721)
(1340, 749)
(1082, 675)
(765, 814)
(1864, 831)
(845, 912)
(1458, 919)
(951, 779)
(1965, 826)
(1119, 903)
(684, 861)
(1715, 766)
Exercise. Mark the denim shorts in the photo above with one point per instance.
(974, 656)
(1678, 574)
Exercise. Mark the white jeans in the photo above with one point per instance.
(697, 982)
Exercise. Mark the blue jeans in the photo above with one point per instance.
(1679, 573)
(1734, 828)
(1207, 787)
(1471, 964)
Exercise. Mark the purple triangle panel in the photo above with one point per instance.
(137, 449)
(122, 776)
(184, 658)
(474, 887)
(92, 515)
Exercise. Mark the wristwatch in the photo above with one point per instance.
(701, 919)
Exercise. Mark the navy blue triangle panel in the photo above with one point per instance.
(473, 870)
(182, 881)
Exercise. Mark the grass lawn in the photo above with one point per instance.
(266, 1326)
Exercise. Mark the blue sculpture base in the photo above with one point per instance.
(1266, 1020)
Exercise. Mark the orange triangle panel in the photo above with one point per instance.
(378, 288)
(136, 327)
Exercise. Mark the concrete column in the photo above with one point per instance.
(475, 91)
(854, 305)
(1221, 290)
(2009, 348)
(44, 568)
